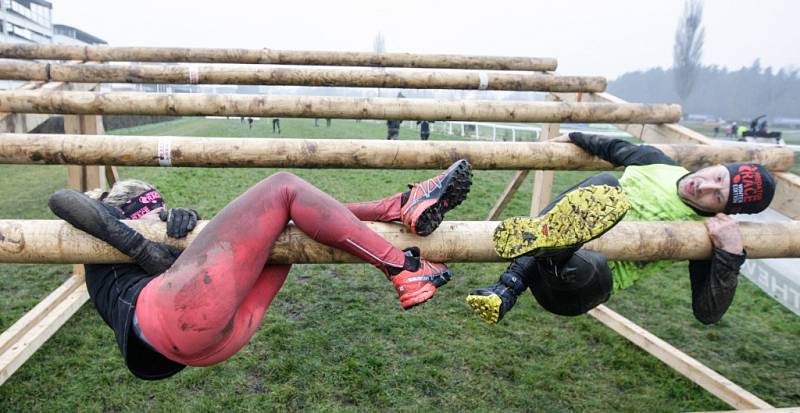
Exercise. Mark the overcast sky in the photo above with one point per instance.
(589, 37)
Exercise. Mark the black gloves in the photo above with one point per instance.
(180, 221)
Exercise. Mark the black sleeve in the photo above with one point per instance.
(714, 284)
(618, 151)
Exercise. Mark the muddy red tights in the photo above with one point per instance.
(211, 301)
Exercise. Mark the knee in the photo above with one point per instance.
(283, 176)
(283, 180)
(588, 284)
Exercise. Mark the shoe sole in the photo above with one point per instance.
(456, 187)
(418, 297)
(486, 306)
(581, 216)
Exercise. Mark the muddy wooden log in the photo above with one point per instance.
(454, 241)
(42, 149)
(270, 75)
(195, 104)
(275, 57)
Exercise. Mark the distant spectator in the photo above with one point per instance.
(276, 123)
(393, 127)
(424, 129)
(250, 122)
(327, 122)
(716, 131)
(316, 122)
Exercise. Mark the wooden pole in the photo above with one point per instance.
(455, 241)
(692, 369)
(268, 75)
(191, 104)
(23, 338)
(44, 149)
(508, 193)
(274, 57)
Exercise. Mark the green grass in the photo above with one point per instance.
(335, 338)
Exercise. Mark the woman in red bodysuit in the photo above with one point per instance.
(201, 306)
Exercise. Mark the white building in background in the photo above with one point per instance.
(26, 21)
(30, 21)
(63, 34)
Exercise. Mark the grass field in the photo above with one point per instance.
(336, 339)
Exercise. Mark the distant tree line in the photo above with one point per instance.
(732, 95)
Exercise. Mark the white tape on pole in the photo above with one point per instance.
(164, 152)
(194, 75)
(484, 80)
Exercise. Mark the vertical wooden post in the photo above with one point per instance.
(543, 180)
(84, 178)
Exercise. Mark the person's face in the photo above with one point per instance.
(706, 189)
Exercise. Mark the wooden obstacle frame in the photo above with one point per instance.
(22, 339)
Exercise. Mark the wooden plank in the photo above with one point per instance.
(508, 193)
(38, 333)
(44, 307)
(692, 369)
(112, 175)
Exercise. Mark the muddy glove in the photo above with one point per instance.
(101, 221)
(180, 221)
(155, 257)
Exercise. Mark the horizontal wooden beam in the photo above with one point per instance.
(455, 241)
(44, 149)
(692, 369)
(196, 104)
(298, 76)
(274, 57)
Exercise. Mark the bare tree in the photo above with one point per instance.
(688, 49)
(379, 44)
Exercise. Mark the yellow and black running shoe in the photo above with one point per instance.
(579, 217)
(493, 302)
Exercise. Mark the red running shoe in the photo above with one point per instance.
(416, 287)
(429, 200)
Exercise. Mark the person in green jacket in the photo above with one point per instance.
(569, 281)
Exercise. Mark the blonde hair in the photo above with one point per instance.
(121, 192)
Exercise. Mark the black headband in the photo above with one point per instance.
(142, 204)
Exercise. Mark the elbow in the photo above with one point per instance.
(60, 200)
